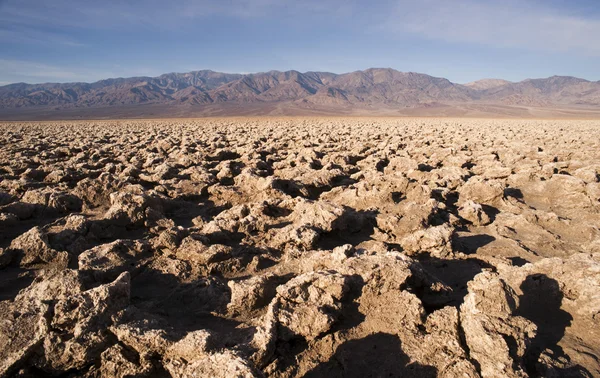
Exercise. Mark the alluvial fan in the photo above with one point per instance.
(300, 247)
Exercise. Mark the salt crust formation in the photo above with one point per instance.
(307, 247)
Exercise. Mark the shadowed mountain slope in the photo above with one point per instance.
(374, 88)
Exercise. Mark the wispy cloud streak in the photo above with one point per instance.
(156, 13)
(497, 24)
(34, 72)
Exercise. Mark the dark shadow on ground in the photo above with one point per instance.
(13, 280)
(518, 261)
(425, 167)
(398, 197)
(490, 211)
(313, 192)
(514, 193)
(350, 316)
(290, 187)
(10, 232)
(377, 355)
(183, 212)
(224, 155)
(381, 164)
(187, 306)
(450, 199)
(540, 302)
(353, 227)
(471, 243)
(454, 273)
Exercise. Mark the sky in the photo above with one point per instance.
(461, 40)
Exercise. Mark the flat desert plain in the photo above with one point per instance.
(300, 247)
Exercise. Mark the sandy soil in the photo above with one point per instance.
(300, 109)
(300, 247)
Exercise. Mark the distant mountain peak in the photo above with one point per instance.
(373, 87)
(484, 84)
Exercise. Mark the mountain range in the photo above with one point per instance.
(375, 90)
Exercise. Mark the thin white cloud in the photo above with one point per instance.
(111, 14)
(505, 23)
(35, 72)
(496, 23)
(28, 35)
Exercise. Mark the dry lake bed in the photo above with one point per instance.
(300, 247)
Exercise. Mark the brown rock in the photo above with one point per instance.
(473, 212)
(489, 325)
(33, 248)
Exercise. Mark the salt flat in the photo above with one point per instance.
(288, 247)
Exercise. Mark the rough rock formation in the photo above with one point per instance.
(300, 248)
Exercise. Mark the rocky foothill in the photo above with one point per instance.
(300, 247)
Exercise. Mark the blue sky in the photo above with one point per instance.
(462, 40)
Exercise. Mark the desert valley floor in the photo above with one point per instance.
(300, 247)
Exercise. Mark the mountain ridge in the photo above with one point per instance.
(372, 88)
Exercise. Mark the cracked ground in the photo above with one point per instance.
(300, 247)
